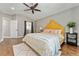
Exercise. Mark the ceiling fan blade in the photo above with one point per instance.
(26, 5)
(33, 11)
(27, 9)
(35, 5)
(37, 10)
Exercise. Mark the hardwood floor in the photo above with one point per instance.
(69, 50)
(6, 48)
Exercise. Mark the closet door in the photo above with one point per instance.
(13, 28)
(28, 27)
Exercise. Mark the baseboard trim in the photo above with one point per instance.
(2, 40)
(13, 37)
(78, 44)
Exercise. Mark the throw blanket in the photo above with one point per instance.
(52, 41)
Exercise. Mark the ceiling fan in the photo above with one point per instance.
(32, 7)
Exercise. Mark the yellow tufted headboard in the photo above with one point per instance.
(55, 25)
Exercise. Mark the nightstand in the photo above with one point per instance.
(71, 38)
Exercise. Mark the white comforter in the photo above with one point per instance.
(52, 41)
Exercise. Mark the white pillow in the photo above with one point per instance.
(52, 31)
(58, 31)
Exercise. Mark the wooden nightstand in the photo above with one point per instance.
(71, 38)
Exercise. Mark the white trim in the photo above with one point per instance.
(13, 37)
(19, 36)
(78, 44)
(1, 40)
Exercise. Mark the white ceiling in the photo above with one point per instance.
(46, 9)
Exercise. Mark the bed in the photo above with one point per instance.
(46, 43)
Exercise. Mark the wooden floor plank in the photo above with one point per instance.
(6, 46)
(69, 50)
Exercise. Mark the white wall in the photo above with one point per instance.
(63, 18)
(6, 17)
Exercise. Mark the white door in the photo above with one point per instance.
(13, 27)
(5, 27)
(4, 23)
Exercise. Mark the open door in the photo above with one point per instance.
(28, 27)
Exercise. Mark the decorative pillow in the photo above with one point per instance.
(47, 30)
(58, 31)
(52, 31)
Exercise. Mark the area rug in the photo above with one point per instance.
(24, 50)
